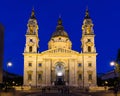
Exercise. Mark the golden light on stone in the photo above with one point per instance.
(60, 62)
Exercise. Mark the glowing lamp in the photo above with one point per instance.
(112, 63)
(9, 64)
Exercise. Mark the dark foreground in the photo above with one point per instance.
(59, 92)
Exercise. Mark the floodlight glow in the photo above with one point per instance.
(59, 74)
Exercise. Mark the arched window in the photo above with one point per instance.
(30, 49)
(79, 76)
(40, 65)
(79, 64)
(89, 64)
(31, 40)
(89, 76)
(30, 64)
(89, 40)
(39, 77)
(89, 48)
(29, 76)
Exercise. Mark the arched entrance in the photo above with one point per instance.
(60, 74)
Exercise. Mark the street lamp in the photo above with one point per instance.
(106, 82)
(105, 85)
(116, 69)
(9, 64)
(113, 63)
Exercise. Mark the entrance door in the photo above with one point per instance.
(60, 73)
(60, 80)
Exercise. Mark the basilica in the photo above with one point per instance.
(60, 65)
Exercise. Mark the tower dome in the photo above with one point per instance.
(60, 30)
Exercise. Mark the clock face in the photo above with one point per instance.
(31, 43)
(89, 44)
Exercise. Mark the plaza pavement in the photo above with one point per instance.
(56, 93)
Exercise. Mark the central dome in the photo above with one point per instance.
(60, 30)
(60, 33)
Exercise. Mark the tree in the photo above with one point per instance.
(118, 64)
(118, 57)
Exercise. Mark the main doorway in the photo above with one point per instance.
(60, 74)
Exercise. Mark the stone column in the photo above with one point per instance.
(52, 76)
(49, 68)
(44, 73)
(48, 72)
(71, 72)
(66, 75)
(75, 65)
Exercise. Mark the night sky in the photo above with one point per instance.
(14, 15)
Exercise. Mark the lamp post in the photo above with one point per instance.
(116, 69)
(113, 63)
(9, 64)
(116, 72)
(106, 83)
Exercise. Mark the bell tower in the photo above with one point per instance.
(32, 40)
(88, 52)
(88, 44)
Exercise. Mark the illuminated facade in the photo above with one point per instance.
(60, 65)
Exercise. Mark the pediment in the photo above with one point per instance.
(59, 50)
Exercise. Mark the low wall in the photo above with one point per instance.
(22, 87)
(97, 88)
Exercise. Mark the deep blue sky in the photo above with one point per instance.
(14, 15)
